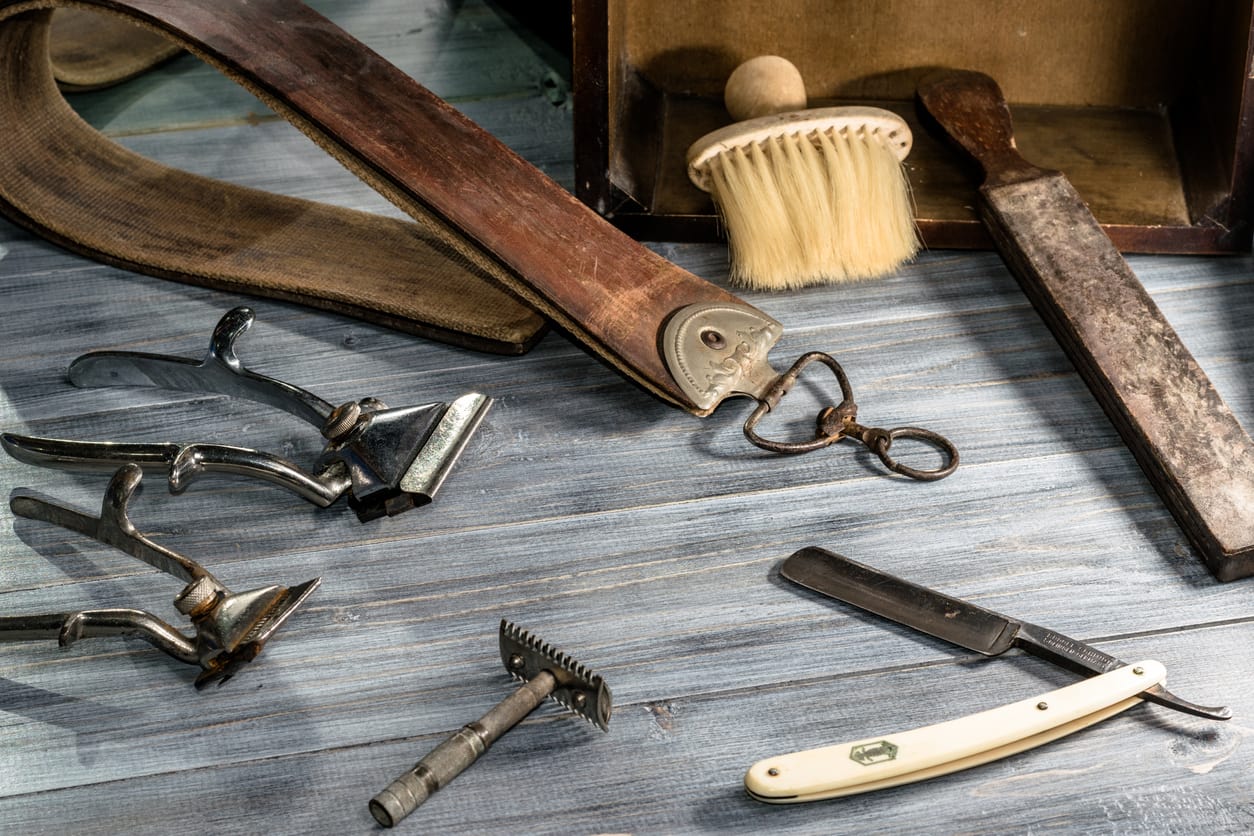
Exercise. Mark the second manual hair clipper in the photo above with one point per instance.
(387, 460)
(231, 627)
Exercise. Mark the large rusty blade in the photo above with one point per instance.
(1184, 436)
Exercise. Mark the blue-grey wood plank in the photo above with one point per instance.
(642, 541)
(461, 50)
(675, 764)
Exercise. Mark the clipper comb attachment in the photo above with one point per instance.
(231, 628)
(544, 672)
(387, 460)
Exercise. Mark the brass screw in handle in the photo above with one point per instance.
(446, 761)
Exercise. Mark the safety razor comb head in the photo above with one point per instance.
(580, 690)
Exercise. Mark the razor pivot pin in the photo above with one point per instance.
(231, 628)
(544, 672)
(386, 460)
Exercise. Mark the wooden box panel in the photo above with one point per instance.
(1144, 104)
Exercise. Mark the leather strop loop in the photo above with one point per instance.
(89, 51)
(67, 182)
(477, 204)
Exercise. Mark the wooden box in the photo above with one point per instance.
(1146, 105)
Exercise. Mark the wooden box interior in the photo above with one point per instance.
(1141, 103)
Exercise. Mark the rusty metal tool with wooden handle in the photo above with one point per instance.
(685, 340)
(1184, 436)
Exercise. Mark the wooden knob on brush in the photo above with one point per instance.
(762, 86)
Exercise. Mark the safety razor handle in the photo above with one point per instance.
(448, 760)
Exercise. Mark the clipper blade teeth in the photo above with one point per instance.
(280, 610)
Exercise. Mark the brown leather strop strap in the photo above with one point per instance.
(479, 204)
(89, 51)
(69, 183)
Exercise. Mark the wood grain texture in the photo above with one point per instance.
(1189, 443)
(642, 541)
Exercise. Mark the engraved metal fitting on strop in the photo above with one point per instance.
(719, 350)
(544, 672)
(230, 628)
(386, 460)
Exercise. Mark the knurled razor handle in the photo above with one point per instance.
(1181, 432)
(544, 672)
(448, 760)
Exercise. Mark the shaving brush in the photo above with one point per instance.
(807, 196)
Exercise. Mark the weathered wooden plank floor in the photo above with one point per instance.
(643, 542)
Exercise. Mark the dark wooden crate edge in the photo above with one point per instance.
(1223, 228)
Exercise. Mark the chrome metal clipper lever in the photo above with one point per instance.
(230, 628)
(386, 460)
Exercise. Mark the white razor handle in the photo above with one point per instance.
(889, 760)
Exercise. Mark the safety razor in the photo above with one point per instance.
(544, 672)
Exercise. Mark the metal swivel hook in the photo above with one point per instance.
(719, 350)
(839, 422)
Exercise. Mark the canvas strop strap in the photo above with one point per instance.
(67, 182)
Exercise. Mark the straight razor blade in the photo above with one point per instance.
(957, 621)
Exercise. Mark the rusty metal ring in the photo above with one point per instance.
(882, 440)
(837, 422)
(788, 447)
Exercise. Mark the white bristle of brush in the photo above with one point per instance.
(807, 196)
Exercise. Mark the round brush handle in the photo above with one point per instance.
(763, 86)
(971, 109)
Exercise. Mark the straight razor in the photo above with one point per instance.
(959, 622)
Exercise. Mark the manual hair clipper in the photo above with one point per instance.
(386, 460)
(231, 628)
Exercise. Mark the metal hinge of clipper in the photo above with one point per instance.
(231, 628)
(386, 460)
